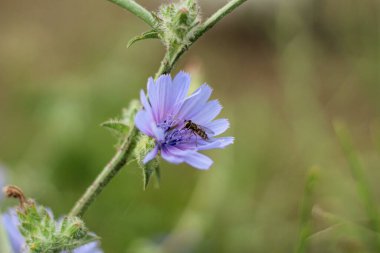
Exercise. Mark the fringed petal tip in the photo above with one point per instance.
(227, 141)
(219, 143)
(218, 126)
(199, 161)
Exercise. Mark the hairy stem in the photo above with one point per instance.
(123, 154)
(111, 169)
(136, 9)
(217, 16)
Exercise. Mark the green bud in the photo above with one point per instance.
(73, 227)
(44, 234)
(144, 145)
(178, 21)
(175, 24)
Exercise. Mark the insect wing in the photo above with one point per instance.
(208, 131)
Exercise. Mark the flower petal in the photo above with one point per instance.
(198, 160)
(218, 126)
(171, 155)
(145, 103)
(181, 85)
(207, 112)
(143, 121)
(193, 104)
(163, 84)
(91, 247)
(11, 223)
(152, 154)
(158, 133)
(217, 143)
(154, 98)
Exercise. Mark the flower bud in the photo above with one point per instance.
(73, 227)
(177, 22)
(42, 233)
(145, 145)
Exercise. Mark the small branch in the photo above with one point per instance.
(111, 169)
(216, 17)
(136, 9)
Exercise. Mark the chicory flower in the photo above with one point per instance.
(181, 125)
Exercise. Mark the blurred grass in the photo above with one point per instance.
(305, 230)
(361, 181)
(283, 70)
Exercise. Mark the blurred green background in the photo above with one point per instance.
(284, 72)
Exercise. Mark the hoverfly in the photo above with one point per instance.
(198, 130)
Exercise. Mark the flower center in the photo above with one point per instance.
(178, 136)
(168, 123)
(175, 132)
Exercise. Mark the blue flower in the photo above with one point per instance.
(181, 125)
(11, 223)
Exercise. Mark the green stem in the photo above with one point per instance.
(165, 66)
(216, 17)
(169, 60)
(123, 154)
(109, 171)
(136, 9)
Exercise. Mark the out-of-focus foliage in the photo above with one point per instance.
(284, 70)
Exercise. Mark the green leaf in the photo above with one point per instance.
(120, 127)
(117, 127)
(144, 145)
(149, 169)
(146, 35)
(158, 176)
